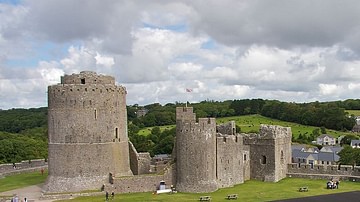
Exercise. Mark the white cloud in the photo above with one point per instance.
(227, 49)
(328, 89)
(104, 60)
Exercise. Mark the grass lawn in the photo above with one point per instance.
(21, 180)
(249, 191)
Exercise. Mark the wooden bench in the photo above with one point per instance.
(303, 189)
(232, 196)
(205, 198)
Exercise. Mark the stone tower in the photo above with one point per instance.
(87, 129)
(270, 152)
(195, 152)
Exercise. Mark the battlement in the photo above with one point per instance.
(74, 95)
(203, 124)
(224, 138)
(185, 113)
(227, 128)
(87, 77)
(324, 169)
(272, 131)
(267, 132)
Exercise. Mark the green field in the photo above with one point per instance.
(249, 191)
(354, 112)
(251, 123)
(146, 131)
(11, 182)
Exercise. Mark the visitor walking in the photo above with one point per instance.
(107, 196)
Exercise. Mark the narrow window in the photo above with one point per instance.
(263, 160)
(244, 157)
(82, 81)
(116, 133)
(95, 113)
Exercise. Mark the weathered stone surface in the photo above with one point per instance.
(139, 162)
(87, 128)
(196, 152)
(238, 157)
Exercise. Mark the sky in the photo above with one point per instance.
(288, 50)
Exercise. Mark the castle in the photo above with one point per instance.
(89, 146)
(210, 156)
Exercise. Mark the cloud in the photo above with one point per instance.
(288, 50)
(283, 23)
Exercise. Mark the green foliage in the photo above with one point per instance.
(349, 156)
(157, 142)
(18, 147)
(346, 140)
(16, 120)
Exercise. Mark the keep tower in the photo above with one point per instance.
(195, 152)
(87, 130)
(270, 152)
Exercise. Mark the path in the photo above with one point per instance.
(32, 193)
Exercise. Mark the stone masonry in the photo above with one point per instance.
(209, 157)
(87, 129)
(88, 142)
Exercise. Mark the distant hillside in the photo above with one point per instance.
(16, 120)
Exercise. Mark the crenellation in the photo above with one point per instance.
(87, 124)
(86, 132)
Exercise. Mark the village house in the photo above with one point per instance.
(355, 143)
(304, 154)
(325, 139)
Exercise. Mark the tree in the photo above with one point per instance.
(347, 156)
(346, 140)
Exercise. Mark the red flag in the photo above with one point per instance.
(189, 90)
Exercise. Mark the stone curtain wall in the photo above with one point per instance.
(139, 162)
(145, 183)
(230, 162)
(5, 168)
(323, 170)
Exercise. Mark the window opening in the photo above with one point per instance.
(82, 81)
(116, 132)
(263, 160)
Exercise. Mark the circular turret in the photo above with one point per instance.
(195, 152)
(87, 129)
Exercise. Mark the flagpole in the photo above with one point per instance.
(187, 90)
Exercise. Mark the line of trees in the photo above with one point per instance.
(23, 132)
(331, 115)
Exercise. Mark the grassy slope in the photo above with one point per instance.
(21, 180)
(147, 131)
(251, 123)
(354, 112)
(249, 191)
